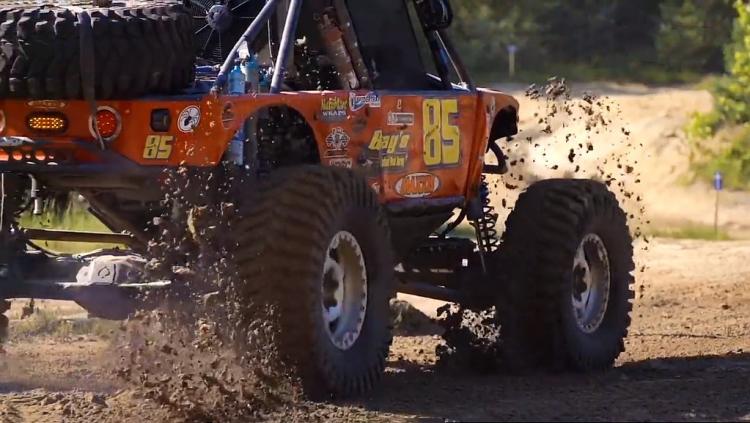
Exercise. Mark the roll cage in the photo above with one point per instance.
(392, 57)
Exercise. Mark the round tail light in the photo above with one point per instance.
(107, 122)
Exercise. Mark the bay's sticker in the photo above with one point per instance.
(418, 185)
(392, 148)
(189, 119)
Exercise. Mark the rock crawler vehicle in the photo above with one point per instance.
(369, 140)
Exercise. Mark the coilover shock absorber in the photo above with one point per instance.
(484, 220)
(487, 224)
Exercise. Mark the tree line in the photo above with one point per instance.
(638, 39)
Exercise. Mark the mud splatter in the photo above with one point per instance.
(470, 340)
(570, 136)
(208, 351)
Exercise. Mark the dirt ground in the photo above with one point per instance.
(687, 356)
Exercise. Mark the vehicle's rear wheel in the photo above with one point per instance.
(316, 241)
(567, 255)
(137, 50)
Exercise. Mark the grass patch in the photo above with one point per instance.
(76, 218)
(48, 323)
(464, 230)
(728, 151)
(693, 231)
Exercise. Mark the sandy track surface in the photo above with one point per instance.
(687, 358)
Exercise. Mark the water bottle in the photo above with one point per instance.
(265, 82)
(252, 74)
(236, 80)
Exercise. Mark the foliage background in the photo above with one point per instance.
(649, 41)
(656, 41)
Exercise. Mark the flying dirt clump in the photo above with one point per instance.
(563, 136)
(208, 352)
(471, 339)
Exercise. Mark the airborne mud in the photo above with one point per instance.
(577, 125)
(208, 352)
(686, 356)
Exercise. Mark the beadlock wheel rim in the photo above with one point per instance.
(344, 289)
(591, 283)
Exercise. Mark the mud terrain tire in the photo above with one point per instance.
(553, 224)
(137, 51)
(283, 241)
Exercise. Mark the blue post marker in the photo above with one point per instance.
(512, 49)
(718, 181)
(718, 187)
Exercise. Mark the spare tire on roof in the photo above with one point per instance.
(137, 51)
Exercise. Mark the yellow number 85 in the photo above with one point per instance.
(442, 141)
(158, 147)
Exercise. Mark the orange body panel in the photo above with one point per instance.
(410, 145)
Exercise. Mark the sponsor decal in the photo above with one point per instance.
(392, 148)
(340, 162)
(337, 141)
(376, 187)
(158, 147)
(417, 185)
(227, 115)
(400, 119)
(358, 102)
(189, 119)
(334, 109)
(14, 141)
(47, 104)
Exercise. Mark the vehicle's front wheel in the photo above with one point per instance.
(568, 259)
(318, 242)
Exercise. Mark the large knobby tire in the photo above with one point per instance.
(137, 51)
(284, 240)
(567, 258)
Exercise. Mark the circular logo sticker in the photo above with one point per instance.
(189, 119)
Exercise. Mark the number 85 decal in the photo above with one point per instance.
(442, 140)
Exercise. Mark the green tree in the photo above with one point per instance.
(732, 98)
(693, 33)
(550, 32)
(733, 93)
(628, 38)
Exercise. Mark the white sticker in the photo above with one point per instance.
(400, 119)
(344, 162)
(338, 139)
(189, 119)
(14, 141)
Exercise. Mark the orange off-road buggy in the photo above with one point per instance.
(369, 138)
